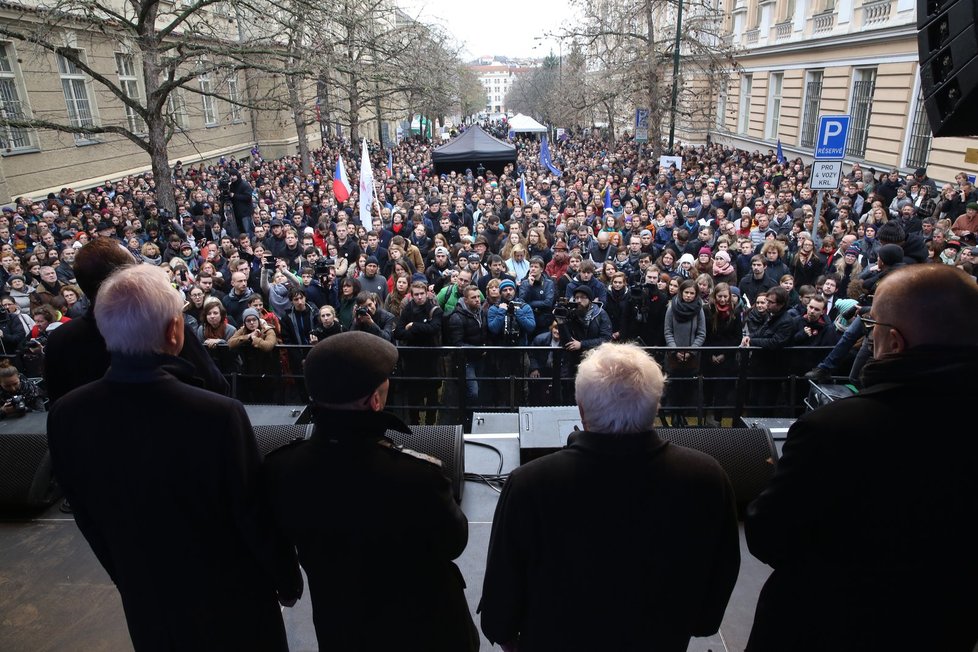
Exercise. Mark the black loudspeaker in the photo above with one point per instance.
(271, 437)
(747, 455)
(947, 44)
(443, 442)
(26, 480)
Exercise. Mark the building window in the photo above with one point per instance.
(176, 109)
(920, 136)
(863, 87)
(75, 88)
(813, 102)
(743, 120)
(210, 110)
(233, 97)
(775, 86)
(129, 84)
(11, 107)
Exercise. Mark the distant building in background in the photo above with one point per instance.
(497, 77)
(803, 58)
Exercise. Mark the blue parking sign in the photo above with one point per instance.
(832, 133)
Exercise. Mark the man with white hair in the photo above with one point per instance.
(620, 541)
(169, 505)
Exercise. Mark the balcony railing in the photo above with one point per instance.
(752, 36)
(823, 22)
(876, 12)
(727, 40)
(782, 31)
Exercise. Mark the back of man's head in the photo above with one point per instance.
(618, 389)
(135, 307)
(931, 305)
(96, 261)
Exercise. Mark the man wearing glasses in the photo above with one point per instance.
(870, 518)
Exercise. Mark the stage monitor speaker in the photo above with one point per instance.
(947, 45)
(275, 415)
(748, 455)
(443, 442)
(26, 479)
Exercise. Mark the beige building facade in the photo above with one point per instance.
(800, 59)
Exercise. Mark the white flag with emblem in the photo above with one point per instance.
(366, 186)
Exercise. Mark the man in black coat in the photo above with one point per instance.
(242, 203)
(75, 353)
(376, 527)
(870, 535)
(420, 325)
(612, 496)
(169, 506)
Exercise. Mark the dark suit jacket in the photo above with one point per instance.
(75, 354)
(613, 543)
(376, 530)
(871, 518)
(168, 502)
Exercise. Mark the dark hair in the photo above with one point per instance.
(96, 261)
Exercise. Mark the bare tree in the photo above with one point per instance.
(194, 46)
(629, 47)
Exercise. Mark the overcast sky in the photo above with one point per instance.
(497, 27)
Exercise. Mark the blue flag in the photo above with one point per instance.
(607, 195)
(523, 189)
(781, 158)
(545, 159)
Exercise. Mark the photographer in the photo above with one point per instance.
(242, 204)
(511, 324)
(539, 291)
(369, 318)
(649, 304)
(18, 395)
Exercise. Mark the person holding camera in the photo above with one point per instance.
(540, 292)
(370, 318)
(254, 344)
(18, 394)
(241, 194)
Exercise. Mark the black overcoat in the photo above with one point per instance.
(168, 502)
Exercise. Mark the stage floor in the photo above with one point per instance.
(54, 595)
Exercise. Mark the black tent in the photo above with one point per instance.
(470, 149)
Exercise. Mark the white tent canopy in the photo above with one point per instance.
(525, 124)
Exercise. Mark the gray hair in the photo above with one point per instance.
(133, 308)
(618, 389)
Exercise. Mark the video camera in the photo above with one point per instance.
(322, 267)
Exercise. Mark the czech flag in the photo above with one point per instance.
(607, 195)
(523, 189)
(341, 184)
(390, 164)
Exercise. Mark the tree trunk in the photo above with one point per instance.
(156, 128)
(354, 95)
(298, 115)
(159, 158)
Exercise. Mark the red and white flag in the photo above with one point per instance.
(341, 184)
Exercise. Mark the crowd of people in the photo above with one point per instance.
(725, 252)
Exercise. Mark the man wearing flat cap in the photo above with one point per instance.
(376, 527)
